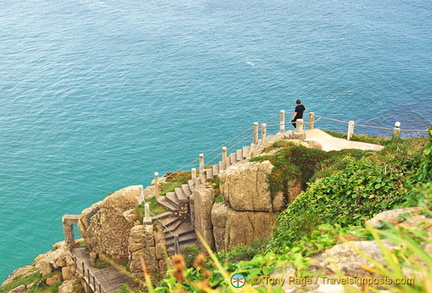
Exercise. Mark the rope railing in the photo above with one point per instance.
(175, 236)
(219, 147)
(233, 146)
(415, 130)
(368, 126)
(300, 132)
(375, 127)
(275, 116)
(330, 119)
(209, 153)
(282, 125)
(167, 229)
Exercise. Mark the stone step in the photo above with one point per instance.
(186, 190)
(180, 194)
(197, 181)
(245, 151)
(172, 198)
(252, 150)
(166, 204)
(228, 162)
(183, 228)
(191, 185)
(215, 169)
(270, 137)
(232, 158)
(239, 155)
(171, 225)
(208, 173)
(162, 216)
(186, 238)
(220, 166)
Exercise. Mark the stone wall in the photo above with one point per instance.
(147, 243)
(203, 200)
(245, 188)
(232, 228)
(247, 212)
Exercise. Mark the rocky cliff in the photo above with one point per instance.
(245, 211)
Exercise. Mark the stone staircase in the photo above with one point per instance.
(177, 221)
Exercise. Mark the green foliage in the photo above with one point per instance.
(35, 278)
(189, 253)
(420, 195)
(407, 257)
(425, 172)
(155, 208)
(215, 183)
(364, 189)
(174, 181)
(283, 143)
(357, 185)
(290, 163)
(125, 288)
(242, 252)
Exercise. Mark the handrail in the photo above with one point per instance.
(212, 160)
(369, 126)
(88, 275)
(318, 118)
(219, 147)
(175, 236)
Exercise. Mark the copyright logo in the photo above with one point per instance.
(256, 280)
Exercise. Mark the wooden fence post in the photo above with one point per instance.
(176, 244)
(147, 219)
(194, 176)
(156, 183)
(263, 132)
(350, 129)
(224, 158)
(299, 131)
(255, 127)
(396, 130)
(311, 120)
(201, 165)
(282, 121)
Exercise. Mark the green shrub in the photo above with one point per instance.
(189, 253)
(242, 252)
(290, 163)
(425, 172)
(174, 181)
(364, 189)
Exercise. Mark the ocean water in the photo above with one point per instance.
(98, 95)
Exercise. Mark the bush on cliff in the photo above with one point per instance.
(362, 188)
(292, 162)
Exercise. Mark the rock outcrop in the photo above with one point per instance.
(232, 228)
(53, 267)
(147, 244)
(104, 227)
(203, 200)
(247, 212)
(245, 188)
(346, 260)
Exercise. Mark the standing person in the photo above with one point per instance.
(298, 112)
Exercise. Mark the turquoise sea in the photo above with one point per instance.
(98, 95)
